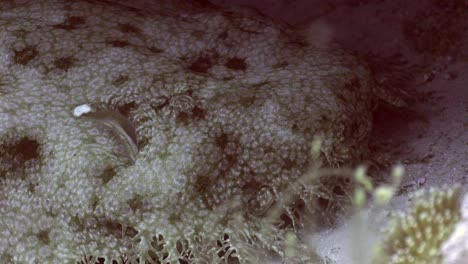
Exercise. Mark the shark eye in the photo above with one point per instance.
(182, 103)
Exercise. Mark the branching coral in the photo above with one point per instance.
(417, 237)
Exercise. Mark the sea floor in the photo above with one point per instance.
(430, 138)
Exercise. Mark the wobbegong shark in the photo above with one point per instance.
(163, 133)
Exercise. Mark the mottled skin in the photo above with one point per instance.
(224, 106)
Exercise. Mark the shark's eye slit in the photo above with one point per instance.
(181, 102)
(183, 107)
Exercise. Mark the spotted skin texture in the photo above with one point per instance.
(224, 106)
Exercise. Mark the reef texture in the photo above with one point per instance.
(196, 119)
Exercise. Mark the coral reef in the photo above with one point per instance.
(165, 134)
(417, 236)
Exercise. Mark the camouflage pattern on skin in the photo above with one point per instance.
(223, 106)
